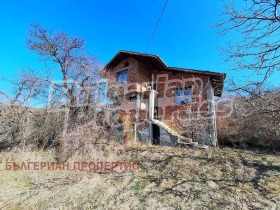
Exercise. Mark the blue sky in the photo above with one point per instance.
(184, 37)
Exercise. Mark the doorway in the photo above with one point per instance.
(156, 135)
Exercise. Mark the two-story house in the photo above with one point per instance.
(167, 105)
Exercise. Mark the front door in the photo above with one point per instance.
(156, 135)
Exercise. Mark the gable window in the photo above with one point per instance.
(122, 76)
(126, 64)
(183, 95)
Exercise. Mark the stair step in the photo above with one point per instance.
(181, 139)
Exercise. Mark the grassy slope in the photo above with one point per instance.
(170, 178)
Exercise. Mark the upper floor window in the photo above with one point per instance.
(183, 95)
(122, 76)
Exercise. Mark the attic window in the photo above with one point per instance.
(126, 64)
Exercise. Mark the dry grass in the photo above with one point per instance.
(169, 178)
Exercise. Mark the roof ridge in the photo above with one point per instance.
(134, 52)
(140, 54)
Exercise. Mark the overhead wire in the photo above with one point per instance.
(150, 40)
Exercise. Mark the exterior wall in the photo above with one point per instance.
(166, 139)
(166, 99)
(137, 73)
(143, 135)
(167, 110)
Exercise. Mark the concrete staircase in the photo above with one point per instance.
(181, 139)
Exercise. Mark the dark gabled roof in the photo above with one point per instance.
(148, 59)
(155, 62)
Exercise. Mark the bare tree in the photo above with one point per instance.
(256, 51)
(258, 24)
(80, 102)
(76, 90)
(78, 69)
(252, 121)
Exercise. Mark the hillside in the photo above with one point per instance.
(168, 178)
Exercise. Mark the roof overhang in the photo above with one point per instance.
(217, 79)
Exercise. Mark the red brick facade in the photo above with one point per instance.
(141, 70)
(168, 81)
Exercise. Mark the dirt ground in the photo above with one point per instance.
(168, 178)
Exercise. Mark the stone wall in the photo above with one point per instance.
(165, 138)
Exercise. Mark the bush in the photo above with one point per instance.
(253, 121)
(25, 126)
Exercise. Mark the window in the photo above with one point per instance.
(183, 95)
(133, 98)
(126, 64)
(122, 76)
